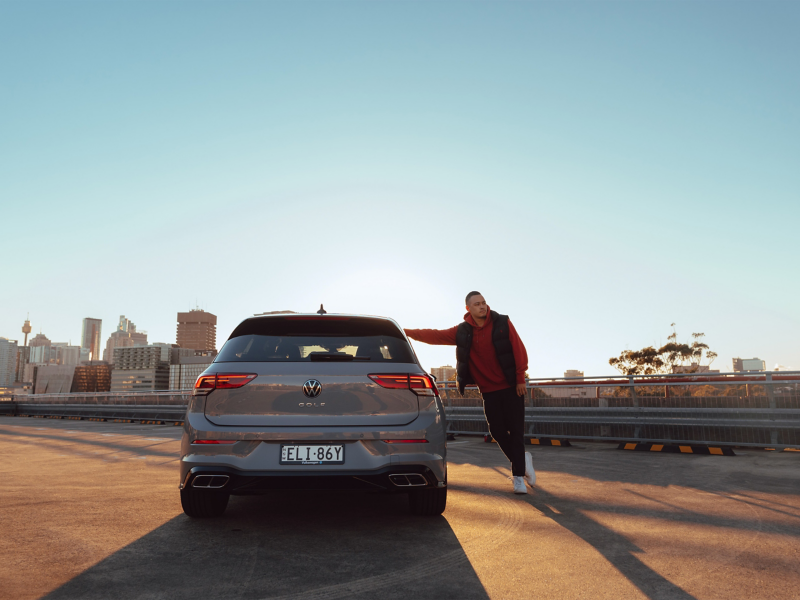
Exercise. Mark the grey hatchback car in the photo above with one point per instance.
(314, 402)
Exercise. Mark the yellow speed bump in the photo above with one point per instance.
(677, 449)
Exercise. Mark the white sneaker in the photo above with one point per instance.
(519, 485)
(530, 474)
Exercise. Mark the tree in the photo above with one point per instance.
(667, 359)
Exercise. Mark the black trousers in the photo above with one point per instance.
(505, 413)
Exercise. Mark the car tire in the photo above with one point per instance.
(430, 502)
(203, 504)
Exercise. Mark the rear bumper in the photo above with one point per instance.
(400, 478)
(252, 462)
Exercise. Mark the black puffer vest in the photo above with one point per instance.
(502, 348)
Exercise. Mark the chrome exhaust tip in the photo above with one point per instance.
(408, 480)
(210, 482)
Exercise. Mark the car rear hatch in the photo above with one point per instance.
(314, 371)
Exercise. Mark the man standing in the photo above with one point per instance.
(490, 354)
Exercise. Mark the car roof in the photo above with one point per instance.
(296, 314)
(284, 314)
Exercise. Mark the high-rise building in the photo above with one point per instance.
(143, 368)
(65, 354)
(184, 374)
(39, 349)
(142, 357)
(573, 374)
(125, 336)
(8, 362)
(197, 329)
(445, 373)
(127, 326)
(40, 355)
(57, 353)
(63, 379)
(745, 365)
(23, 358)
(90, 339)
(29, 373)
(118, 339)
(54, 379)
(92, 377)
(39, 339)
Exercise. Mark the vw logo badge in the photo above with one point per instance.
(312, 388)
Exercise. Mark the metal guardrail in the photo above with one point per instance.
(731, 409)
(107, 412)
(168, 406)
(165, 397)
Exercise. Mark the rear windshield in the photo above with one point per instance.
(306, 339)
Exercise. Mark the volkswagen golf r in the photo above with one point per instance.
(314, 402)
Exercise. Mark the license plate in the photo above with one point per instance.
(312, 454)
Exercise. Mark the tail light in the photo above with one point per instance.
(421, 385)
(204, 384)
(221, 381)
(214, 442)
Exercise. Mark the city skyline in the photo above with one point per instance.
(597, 170)
(722, 364)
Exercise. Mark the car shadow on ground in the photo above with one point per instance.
(318, 545)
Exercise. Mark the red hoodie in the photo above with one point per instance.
(483, 363)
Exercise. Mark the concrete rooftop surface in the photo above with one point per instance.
(91, 510)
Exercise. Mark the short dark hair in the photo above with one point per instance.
(470, 295)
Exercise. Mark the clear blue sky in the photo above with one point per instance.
(598, 170)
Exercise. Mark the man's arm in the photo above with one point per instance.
(520, 357)
(437, 337)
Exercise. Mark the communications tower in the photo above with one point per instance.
(26, 329)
